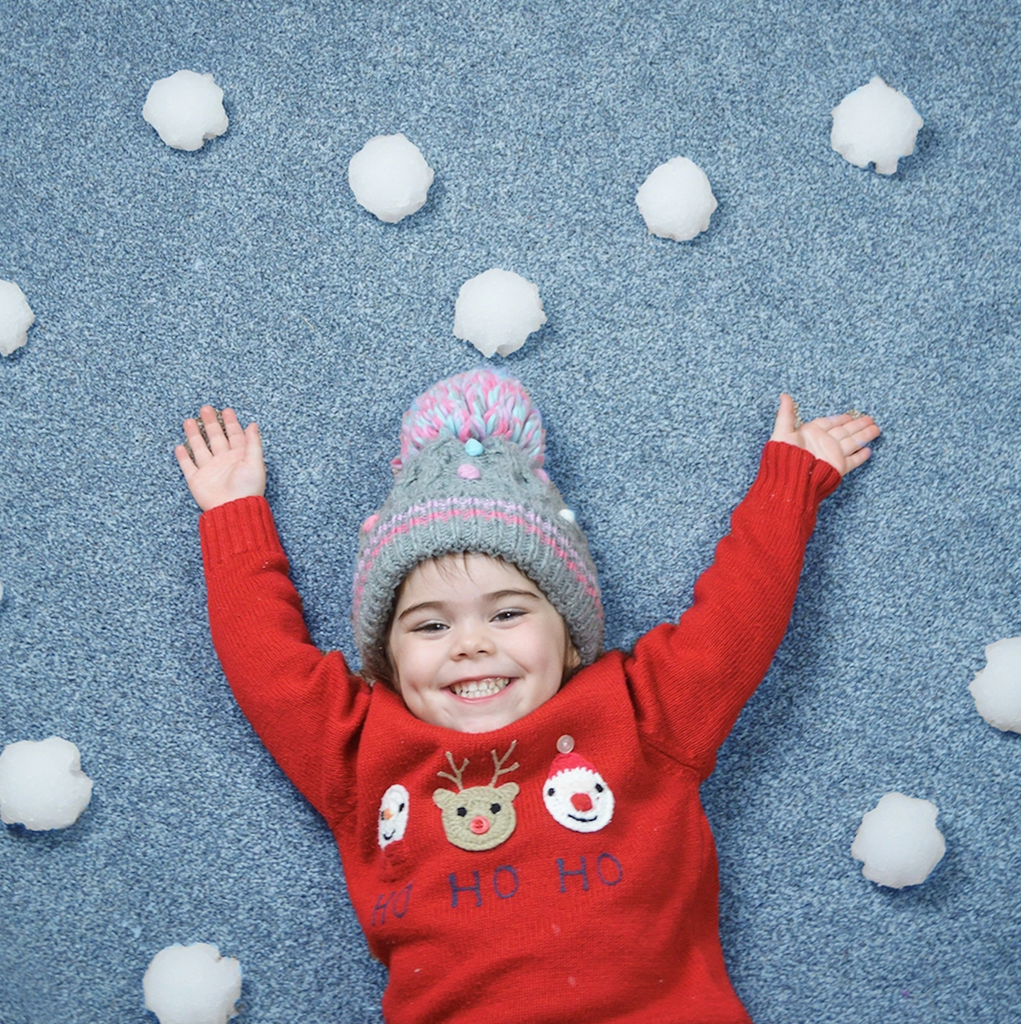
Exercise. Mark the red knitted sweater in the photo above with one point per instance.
(590, 893)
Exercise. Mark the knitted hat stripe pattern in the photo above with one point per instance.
(418, 515)
(469, 479)
(514, 515)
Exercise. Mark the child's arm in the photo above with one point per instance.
(304, 704)
(231, 466)
(690, 680)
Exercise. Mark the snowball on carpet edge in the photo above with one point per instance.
(186, 109)
(676, 200)
(42, 785)
(875, 124)
(389, 177)
(16, 317)
(996, 689)
(898, 841)
(192, 984)
(497, 310)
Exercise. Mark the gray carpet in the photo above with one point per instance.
(246, 274)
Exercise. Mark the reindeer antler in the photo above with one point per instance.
(497, 764)
(459, 772)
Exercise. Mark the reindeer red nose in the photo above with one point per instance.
(479, 825)
(581, 802)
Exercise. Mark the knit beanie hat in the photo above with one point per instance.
(469, 479)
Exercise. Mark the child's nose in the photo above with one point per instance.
(473, 640)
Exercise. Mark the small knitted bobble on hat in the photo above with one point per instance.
(469, 479)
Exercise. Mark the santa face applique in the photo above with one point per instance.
(576, 795)
(393, 816)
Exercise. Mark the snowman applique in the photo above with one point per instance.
(575, 794)
(393, 816)
(391, 825)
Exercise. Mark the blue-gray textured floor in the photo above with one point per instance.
(246, 274)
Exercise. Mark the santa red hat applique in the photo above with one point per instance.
(576, 795)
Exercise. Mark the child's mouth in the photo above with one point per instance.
(476, 689)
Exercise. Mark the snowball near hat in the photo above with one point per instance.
(469, 478)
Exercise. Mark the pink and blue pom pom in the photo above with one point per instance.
(473, 406)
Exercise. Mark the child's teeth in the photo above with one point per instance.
(480, 687)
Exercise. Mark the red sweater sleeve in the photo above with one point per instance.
(306, 706)
(690, 680)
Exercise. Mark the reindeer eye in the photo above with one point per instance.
(495, 808)
(599, 787)
(550, 791)
(462, 811)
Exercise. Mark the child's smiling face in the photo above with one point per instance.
(475, 645)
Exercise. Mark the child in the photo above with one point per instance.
(517, 812)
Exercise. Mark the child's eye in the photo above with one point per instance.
(508, 614)
(430, 627)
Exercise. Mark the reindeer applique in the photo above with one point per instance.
(480, 817)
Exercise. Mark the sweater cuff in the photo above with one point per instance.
(791, 474)
(237, 528)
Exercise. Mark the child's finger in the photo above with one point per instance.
(188, 468)
(860, 428)
(867, 433)
(855, 440)
(254, 439)
(235, 435)
(199, 449)
(785, 416)
(866, 425)
(217, 439)
(857, 420)
(848, 445)
(833, 424)
(856, 459)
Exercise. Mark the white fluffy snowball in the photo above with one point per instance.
(186, 109)
(997, 688)
(875, 124)
(676, 200)
(16, 317)
(192, 985)
(497, 310)
(42, 785)
(898, 841)
(389, 177)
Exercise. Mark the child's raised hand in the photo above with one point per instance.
(230, 466)
(838, 440)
